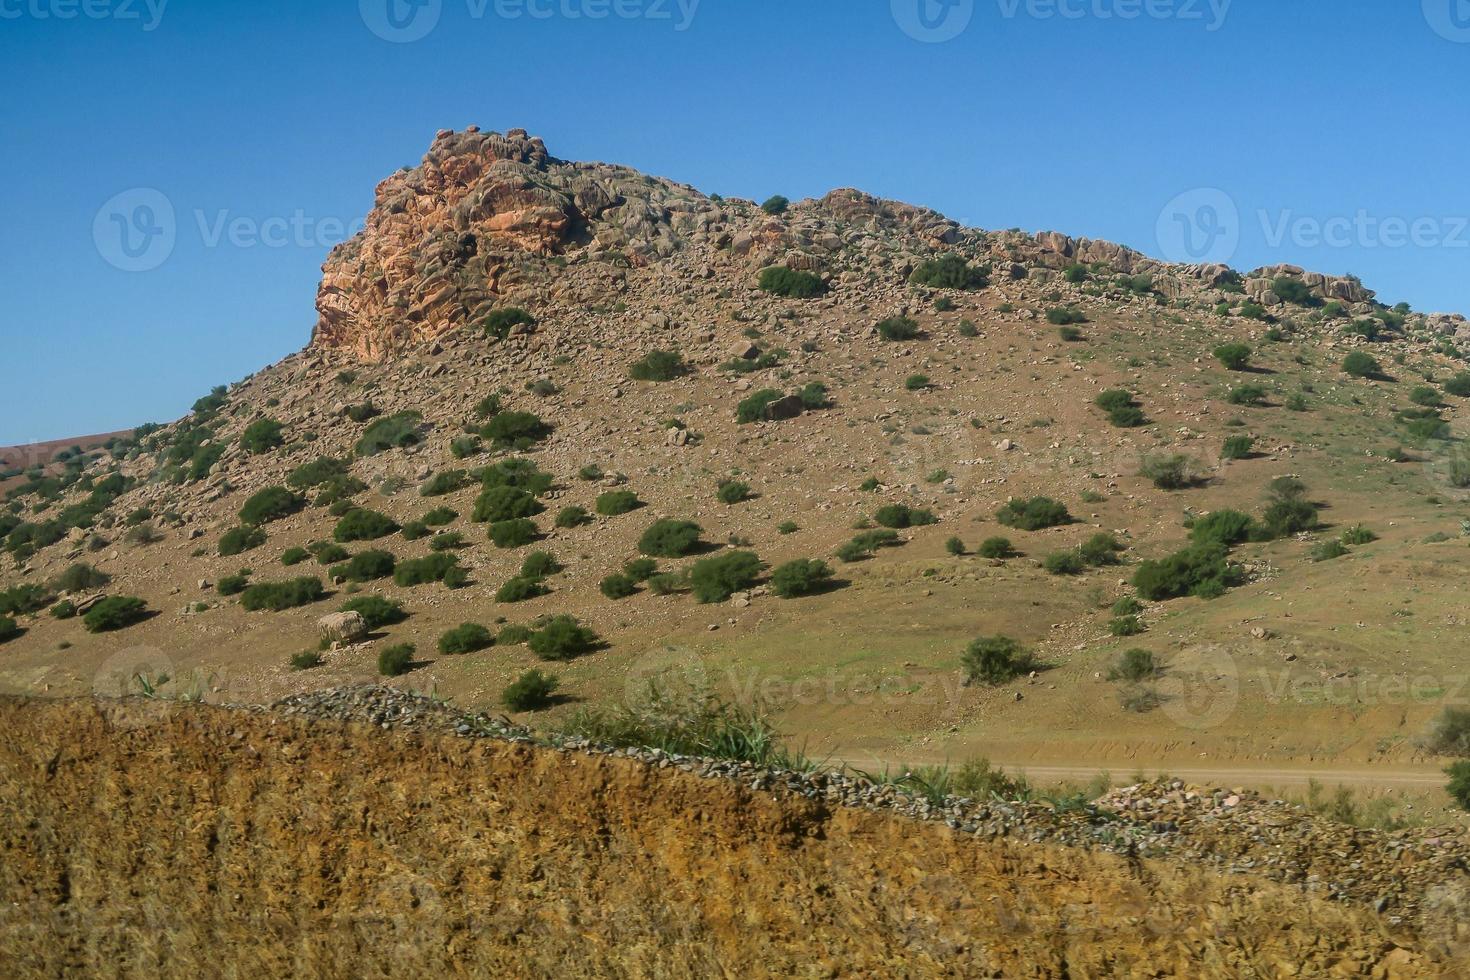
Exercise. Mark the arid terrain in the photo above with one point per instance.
(495, 269)
(156, 839)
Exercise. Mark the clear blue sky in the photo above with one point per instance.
(1306, 110)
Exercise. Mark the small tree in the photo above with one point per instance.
(271, 504)
(898, 328)
(791, 283)
(733, 492)
(467, 638)
(532, 691)
(396, 660)
(1459, 784)
(776, 204)
(658, 365)
(1235, 357)
(801, 577)
(562, 638)
(670, 539)
(1238, 447)
(1361, 365)
(261, 436)
(996, 548)
(618, 586)
(716, 579)
(995, 660)
(617, 502)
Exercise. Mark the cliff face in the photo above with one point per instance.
(489, 220)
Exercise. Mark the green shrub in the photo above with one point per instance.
(667, 538)
(775, 204)
(80, 577)
(791, 283)
(1459, 785)
(1033, 514)
(271, 504)
(397, 660)
(898, 328)
(995, 660)
(467, 638)
(505, 503)
(65, 609)
(233, 584)
(916, 382)
(658, 365)
(306, 661)
(1201, 569)
(641, 569)
(753, 408)
(499, 323)
(376, 611)
(733, 492)
(803, 576)
(540, 564)
(1254, 311)
(996, 548)
(1064, 563)
(422, 571)
(448, 541)
(1127, 606)
(1126, 626)
(329, 554)
(1459, 385)
(261, 436)
(1294, 291)
(9, 629)
(1328, 550)
(1284, 518)
(1225, 528)
(1426, 396)
(367, 567)
(532, 691)
(239, 540)
(1238, 447)
(513, 635)
(360, 524)
(294, 556)
(515, 430)
(463, 447)
(440, 516)
(1235, 357)
(1062, 316)
(1358, 535)
(1361, 365)
(617, 502)
(950, 271)
(903, 516)
(716, 579)
(392, 432)
(362, 413)
(521, 589)
(618, 586)
(562, 638)
(573, 516)
(1101, 549)
(279, 596)
(444, 483)
(1134, 666)
(955, 547)
(1246, 395)
(814, 396)
(667, 583)
(513, 534)
(1069, 334)
(968, 329)
(1173, 472)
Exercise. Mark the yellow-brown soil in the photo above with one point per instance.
(166, 840)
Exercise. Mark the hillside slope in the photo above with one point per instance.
(494, 280)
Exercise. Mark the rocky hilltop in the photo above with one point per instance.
(489, 219)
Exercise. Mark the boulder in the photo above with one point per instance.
(343, 627)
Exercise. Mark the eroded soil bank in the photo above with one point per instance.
(190, 841)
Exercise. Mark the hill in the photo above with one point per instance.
(514, 336)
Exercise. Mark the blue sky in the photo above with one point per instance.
(1331, 132)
